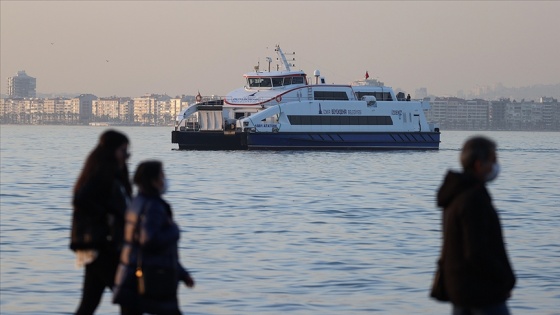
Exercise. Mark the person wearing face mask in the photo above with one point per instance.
(477, 276)
(150, 248)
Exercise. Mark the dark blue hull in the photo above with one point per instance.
(208, 140)
(344, 140)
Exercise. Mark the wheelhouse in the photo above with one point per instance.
(258, 80)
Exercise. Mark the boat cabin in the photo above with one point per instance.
(268, 80)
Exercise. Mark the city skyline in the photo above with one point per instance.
(138, 47)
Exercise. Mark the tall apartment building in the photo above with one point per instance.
(457, 113)
(151, 108)
(21, 110)
(22, 85)
(113, 109)
(84, 104)
(59, 110)
(532, 115)
(497, 115)
(176, 106)
(38, 111)
(551, 113)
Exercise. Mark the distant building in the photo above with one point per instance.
(176, 106)
(58, 110)
(22, 85)
(84, 104)
(113, 109)
(459, 114)
(151, 108)
(497, 114)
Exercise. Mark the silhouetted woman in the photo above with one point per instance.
(150, 250)
(101, 195)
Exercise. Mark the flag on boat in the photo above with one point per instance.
(367, 75)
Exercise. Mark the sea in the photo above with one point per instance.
(281, 232)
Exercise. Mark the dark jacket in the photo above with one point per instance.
(475, 265)
(98, 216)
(155, 237)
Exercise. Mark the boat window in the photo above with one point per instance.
(362, 120)
(252, 82)
(297, 80)
(287, 80)
(295, 120)
(380, 96)
(330, 95)
(259, 82)
(277, 81)
(326, 120)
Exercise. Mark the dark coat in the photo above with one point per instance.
(155, 237)
(98, 216)
(475, 265)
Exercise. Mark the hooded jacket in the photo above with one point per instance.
(474, 261)
(151, 220)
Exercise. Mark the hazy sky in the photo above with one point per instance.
(180, 47)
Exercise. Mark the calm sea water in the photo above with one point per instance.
(281, 232)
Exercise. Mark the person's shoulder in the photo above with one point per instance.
(149, 201)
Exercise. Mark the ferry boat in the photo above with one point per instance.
(283, 109)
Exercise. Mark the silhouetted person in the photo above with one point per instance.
(408, 98)
(151, 244)
(477, 275)
(101, 194)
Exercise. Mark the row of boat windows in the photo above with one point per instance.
(339, 120)
(343, 96)
(330, 96)
(380, 96)
(318, 95)
(274, 82)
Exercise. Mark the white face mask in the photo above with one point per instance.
(165, 186)
(493, 173)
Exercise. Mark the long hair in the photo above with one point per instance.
(145, 174)
(102, 162)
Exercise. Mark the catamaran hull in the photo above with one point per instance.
(208, 140)
(344, 140)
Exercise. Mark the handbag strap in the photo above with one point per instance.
(136, 239)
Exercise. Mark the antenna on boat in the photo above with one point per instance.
(283, 58)
(269, 60)
(316, 74)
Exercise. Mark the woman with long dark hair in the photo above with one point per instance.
(101, 196)
(150, 271)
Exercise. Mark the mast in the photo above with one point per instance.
(282, 57)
